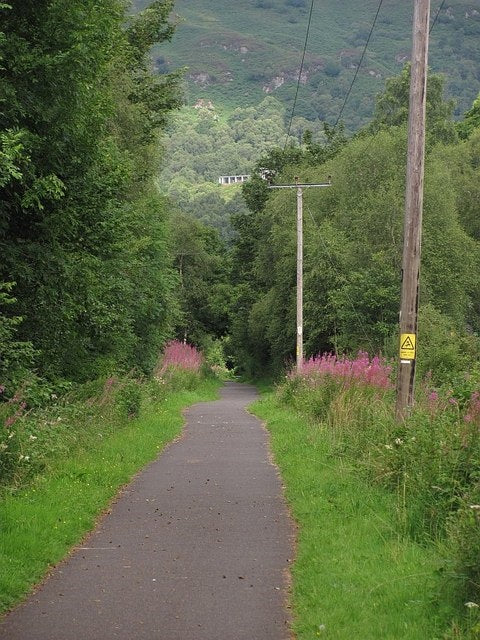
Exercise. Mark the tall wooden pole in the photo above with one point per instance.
(413, 210)
(299, 277)
(299, 187)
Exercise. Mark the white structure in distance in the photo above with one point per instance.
(226, 180)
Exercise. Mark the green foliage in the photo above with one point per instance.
(332, 68)
(444, 351)
(178, 379)
(149, 27)
(33, 439)
(203, 280)
(128, 397)
(82, 226)
(353, 576)
(464, 529)
(471, 120)
(429, 462)
(215, 350)
(466, 169)
(235, 55)
(16, 357)
(393, 105)
(353, 244)
(204, 144)
(11, 154)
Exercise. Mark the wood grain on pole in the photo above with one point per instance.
(299, 279)
(300, 187)
(413, 201)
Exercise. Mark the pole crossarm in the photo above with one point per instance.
(302, 186)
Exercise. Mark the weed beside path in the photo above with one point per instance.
(354, 576)
(40, 523)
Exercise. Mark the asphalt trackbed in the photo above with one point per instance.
(196, 548)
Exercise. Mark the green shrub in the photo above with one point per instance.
(444, 353)
(16, 358)
(464, 538)
(431, 461)
(177, 378)
(128, 398)
(34, 436)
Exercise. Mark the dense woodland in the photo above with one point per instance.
(353, 241)
(88, 277)
(116, 237)
(100, 268)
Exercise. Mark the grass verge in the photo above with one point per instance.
(41, 522)
(354, 575)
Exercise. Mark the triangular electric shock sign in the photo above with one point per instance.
(407, 346)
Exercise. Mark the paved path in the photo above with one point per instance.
(196, 548)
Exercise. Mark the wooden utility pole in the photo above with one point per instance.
(299, 187)
(413, 210)
(299, 276)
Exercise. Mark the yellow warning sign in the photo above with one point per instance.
(407, 346)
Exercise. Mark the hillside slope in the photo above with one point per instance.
(237, 53)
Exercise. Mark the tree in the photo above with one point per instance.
(393, 104)
(352, 254)
(470, 122)
(203, 274)
(82, 227)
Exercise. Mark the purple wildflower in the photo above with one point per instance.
(181, 355)
(372, 372)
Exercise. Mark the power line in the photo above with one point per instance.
(436, 17)
(359, 64)
(372, 139)
(356, 71)
(299, 74)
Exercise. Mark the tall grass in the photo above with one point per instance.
(430, 462)
(33, 437)
(354, 575)
(61, 464)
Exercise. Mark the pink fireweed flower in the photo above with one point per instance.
(473, 408)
(433, 402)
(372, 372)
(181, 355)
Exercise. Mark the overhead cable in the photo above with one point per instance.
(436, 17)
(359, 64)
(299, 74)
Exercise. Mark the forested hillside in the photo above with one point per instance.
(204, 143)
(237, 53)
(241, 64)
(353, 242)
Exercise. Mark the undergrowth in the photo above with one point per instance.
(61, 464)
(430, 462)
